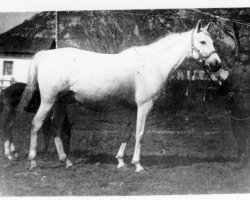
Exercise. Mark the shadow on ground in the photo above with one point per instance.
(149, 160)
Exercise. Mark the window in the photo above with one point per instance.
(197, 75)
(8, 68)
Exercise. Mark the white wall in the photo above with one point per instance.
(20, 69)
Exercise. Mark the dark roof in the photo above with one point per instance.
(24, 45)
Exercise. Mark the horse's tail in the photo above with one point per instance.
(30, 87)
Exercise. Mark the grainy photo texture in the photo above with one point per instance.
(125, 102)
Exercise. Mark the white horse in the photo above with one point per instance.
(135, 76)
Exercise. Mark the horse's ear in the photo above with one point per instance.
(208, 26)
(198, 26)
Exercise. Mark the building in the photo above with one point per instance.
(193, 75)
(16, 53)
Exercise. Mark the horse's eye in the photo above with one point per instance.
(203, 42)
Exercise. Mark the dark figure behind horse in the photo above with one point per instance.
(237, 89)
(9, 101)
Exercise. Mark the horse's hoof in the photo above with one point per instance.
(138, 167)
(123, 168)
(143, 171)
(36, 171)
(68, 164)
(32, 165)
(9, 157)
(16, 155)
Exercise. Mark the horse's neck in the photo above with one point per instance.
(170, 52)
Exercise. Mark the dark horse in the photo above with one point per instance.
(237, 89)
(9, 100)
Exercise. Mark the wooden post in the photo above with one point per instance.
(56, 30)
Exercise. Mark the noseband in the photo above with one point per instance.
(194, 48)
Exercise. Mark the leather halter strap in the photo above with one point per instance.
(194, 48)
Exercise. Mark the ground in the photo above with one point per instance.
(184, 152)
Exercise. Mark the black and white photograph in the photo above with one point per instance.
(133, 101)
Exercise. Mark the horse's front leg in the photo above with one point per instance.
(58, 117)
(142, 112)
(126, 136)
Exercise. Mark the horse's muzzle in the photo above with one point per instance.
(215, 66)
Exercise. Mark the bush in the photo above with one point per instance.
(185, 95)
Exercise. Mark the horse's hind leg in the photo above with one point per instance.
(7, 131)
(46, 134)
(66, 133)
(12, 146)
(127, 134)
(59, 111)
(37, 123)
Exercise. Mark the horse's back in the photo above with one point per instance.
(89, 73)
(81, 60)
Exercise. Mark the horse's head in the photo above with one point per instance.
(202, 48)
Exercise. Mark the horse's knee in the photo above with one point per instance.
(140, 138)
(35, 125)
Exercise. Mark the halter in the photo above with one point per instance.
(194, 48)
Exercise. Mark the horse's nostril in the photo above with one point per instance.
(216, 63)
(217, 66)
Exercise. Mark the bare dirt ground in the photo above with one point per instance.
(183, 153)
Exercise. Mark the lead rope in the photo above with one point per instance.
(238, 119)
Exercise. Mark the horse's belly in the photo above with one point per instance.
(111, 105)
(111, 100)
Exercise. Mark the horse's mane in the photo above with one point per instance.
(169, 38)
